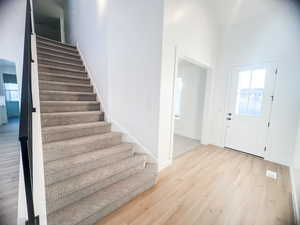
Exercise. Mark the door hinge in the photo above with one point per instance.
(269, 124)
(276, 71)
(265, 149)
(272, 98)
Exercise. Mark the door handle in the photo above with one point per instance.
(228, 118)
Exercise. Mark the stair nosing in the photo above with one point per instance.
(72, 113)
(65, 83)
(109, 134)
(50, 40)
(137, 185)
(70, 102)
(66, 92)
(91, 124)
(87, 172)
(56, 45)
(59, 56)
(64, 76)
(43, 49)
(125, 148)
(61, 68)
(65, 63)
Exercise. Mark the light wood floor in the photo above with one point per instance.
(212, 186)
(9, 173)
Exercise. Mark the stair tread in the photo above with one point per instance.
(59, 56)
(76, 183)
(62, 68)
(66, 92)
(56, 46)
(71, 113)
(59, 62)
(69, 102)
(43, 49)
(77, 160)
(64, 76)
(74, 126)
(58, 42)
(65, 83)
(78, 211)
(81, 140)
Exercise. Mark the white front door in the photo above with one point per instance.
(249, 108)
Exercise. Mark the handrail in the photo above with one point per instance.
(25, 131)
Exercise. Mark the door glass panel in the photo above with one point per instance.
(250, 92)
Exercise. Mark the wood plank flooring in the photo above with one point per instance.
(9, 173)
(212, 186)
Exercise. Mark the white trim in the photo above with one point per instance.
(165, 164)
(294, 197)
(179, 54)
(115, 125)
(90, 75)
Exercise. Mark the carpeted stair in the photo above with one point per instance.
(89, 171)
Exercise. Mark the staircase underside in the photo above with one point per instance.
(89, 171)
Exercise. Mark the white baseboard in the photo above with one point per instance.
(165, 164)
(295, 197)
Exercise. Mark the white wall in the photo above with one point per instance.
(192, 100)
(121, 42)
(271, 33)
(190, 26)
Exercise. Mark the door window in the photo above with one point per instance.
(250, 92)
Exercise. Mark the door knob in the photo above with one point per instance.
(228, 118)
(229, 114)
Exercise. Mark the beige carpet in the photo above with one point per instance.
(9, 172)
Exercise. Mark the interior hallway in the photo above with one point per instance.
(183, 145)
(212, 186)
(9, 172)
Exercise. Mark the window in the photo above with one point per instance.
(11, 92)
(250, 92)
(178, 93)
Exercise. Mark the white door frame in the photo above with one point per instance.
(179, 55)
(274, 67)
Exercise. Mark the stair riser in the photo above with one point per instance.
(49, 120)
(62, 72)
(67, 173)
(63, 65)
(62, 189)
(67, 97)
(62, 79)
(68, 108)
(60, 203)
(59, 136)
(58, 152)
(62, 87)
(58, 53)
(58, 58)
(56, 46)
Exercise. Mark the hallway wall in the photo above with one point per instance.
(121, 42)
(191, 27)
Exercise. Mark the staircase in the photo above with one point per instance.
(89, 171)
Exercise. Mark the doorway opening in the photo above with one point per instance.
(189, 103)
